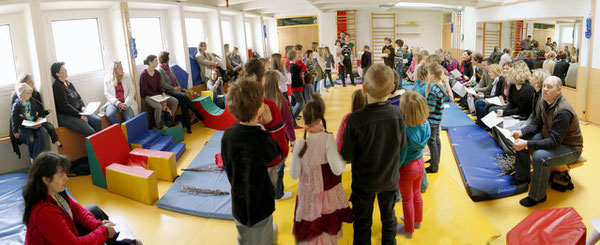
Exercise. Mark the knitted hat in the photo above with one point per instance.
(22, 88)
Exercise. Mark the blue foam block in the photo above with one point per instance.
(178, 149)
(162, 144)
(195, 67)
(12, 230)
(181, 75)
(455, 117)
(136, 126)
(474, 150)
(208, 206)
(147, 139)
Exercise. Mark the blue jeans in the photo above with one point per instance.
(76, 124)
(543, 159)
(37, 140)
(399, 70)
(435, 147)
(299, 104)
(481, 110)
(111, 114)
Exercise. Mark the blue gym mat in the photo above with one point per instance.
(455, 117)
(474, 149)
(202, 205)
(12, 230)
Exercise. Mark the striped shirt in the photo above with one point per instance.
(435, 103)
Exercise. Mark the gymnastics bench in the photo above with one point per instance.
(139, 136)
(567, 167)
(133, 182)
(73, 143)
(109, 146)
(214, 117)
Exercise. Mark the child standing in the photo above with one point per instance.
(365, 60)
(435, 92)
(321, 198)
(359, 100)
(297, 84)
(412, 166)
(372, 141)
(329, 64)
(247, 149)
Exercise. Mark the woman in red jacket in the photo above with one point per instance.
(51, 216)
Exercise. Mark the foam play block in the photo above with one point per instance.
(135, 127)
(161, 162)
(209, 94)
(73, 143)
(181, 75)
(175, 132)
(194, 66)
(550, 226)
(132, 182)
(453, 116)
(474, 150)
(105, 148)
(214, 117)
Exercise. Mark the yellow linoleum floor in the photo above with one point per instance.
(450, 216)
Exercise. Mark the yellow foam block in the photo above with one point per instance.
(207, 93)
(133, 182)
(161, 162)
(135, 146)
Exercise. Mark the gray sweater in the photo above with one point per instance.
(485, 84)
(165, 79)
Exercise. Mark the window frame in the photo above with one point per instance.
(14, 58)
(144, 13)
(19, 47)
(62, 15)
(198, 16)
(226, 18)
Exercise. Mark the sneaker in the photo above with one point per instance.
(429, 170)
(58, 144)
(286, 195)
(400, 230)
(519, 182)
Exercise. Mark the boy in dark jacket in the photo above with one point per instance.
(365, 60)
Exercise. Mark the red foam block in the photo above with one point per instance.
(551, 226)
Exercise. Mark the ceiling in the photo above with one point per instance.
(302, 7)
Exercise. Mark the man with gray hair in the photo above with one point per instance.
(554, 138)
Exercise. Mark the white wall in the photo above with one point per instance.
(469, 26)
(543, 9)
(328, 29)
(429, 26)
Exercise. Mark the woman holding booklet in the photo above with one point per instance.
(120, 94)
(152, 92)
(69, 106)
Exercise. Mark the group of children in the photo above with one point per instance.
(383, 142)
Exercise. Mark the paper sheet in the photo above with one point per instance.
(459, 89)
(159, 98)
(491, 119)
(91, 108)
(27, 123)
(471, 91)
(471, 104)
(446, 106)
(456, 73)
(409, 74)
(506, 134)
(405, 61)
(510, 123)
(494, 100)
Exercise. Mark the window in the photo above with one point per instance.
(77, 43)
(227, 32)
(195, 31)
(567, 35)
(148, 37)
(249, 35)
(8, 72)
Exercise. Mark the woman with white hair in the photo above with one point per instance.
(34, 136)
(119, 93)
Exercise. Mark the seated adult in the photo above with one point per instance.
(528, 59)
(505, 58)
(35, 98)
(554, 137)
(499, 82)
(207, 62)
(537, 79)
(34, 136)
(228, 65)
(539, 60)
(571, 78)
(561, 68)
(449, 63)
(150, 85)
(520, 93)
(51, 216)
(550, 62)
(466, 67)
(170, 85)
(69, 104)
(236, 60)
(120, 94)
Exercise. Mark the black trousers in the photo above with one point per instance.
(186, 104)
(347, 70)
(362, 214)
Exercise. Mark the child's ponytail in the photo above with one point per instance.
(313, 111)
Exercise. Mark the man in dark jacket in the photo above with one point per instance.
(554, 137)
(561, 68)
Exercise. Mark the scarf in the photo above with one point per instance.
(167, 69)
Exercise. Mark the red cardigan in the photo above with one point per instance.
(276, 128)
(50, 224)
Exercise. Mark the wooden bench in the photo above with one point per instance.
(73, 143)
(567, 167)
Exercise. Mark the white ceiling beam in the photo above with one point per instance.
(223, 3)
